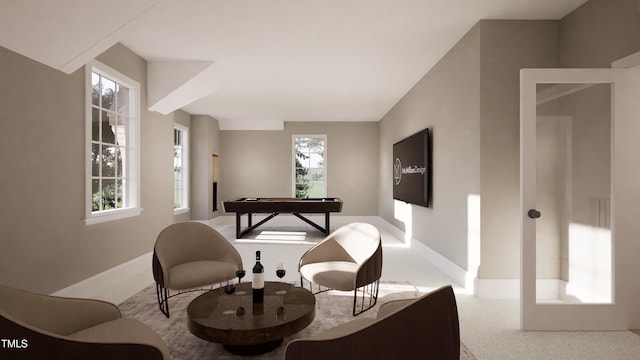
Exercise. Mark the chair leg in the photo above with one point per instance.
(320, 288)
(163, 296)
(163, 299)
(372, 291)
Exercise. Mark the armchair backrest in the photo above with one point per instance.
(356, 242)
(426, 328)
(432, 322)
(359, 240)
(51, 314)
(44, 327)
(193, 241)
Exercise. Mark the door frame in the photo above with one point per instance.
(624, 147)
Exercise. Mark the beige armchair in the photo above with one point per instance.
(188, 256)
(39, 326)
(422, 328)
(349, 259)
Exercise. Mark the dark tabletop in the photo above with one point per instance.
(235, 320)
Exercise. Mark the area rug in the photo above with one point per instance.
(332, 308)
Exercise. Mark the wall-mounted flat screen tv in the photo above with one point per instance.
(411, 169)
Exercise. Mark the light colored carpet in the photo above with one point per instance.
(491, 328)
(283, 234)
(332, 308)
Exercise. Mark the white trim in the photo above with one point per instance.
(293, 161)
(134, 197)
(552, 291)
(630, 61)
(448, 267)
(186, 178)
(558, 91)
(459, 275)
(116, 284)
(551, 316)
(482, 288)
(112, 215)
(497, 288)
(180, 211)
(125, 280)
(388, 227)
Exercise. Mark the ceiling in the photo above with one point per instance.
(255, 64)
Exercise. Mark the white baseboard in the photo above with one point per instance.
(497, 288)
(451, 269)
(454, 271)
(481, 288)
(116, 284)
(548, 290)
(123, 281)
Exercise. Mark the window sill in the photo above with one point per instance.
(112, 215)
(180, 211)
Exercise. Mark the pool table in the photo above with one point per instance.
(276, 206)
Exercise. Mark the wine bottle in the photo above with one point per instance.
(258, 280)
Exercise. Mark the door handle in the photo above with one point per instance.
(534, 214)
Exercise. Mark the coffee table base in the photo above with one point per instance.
(255, 349)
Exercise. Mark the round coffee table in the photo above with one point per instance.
(246, 328)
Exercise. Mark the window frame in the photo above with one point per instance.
(325, 162)
(185, 173)
(133, 207)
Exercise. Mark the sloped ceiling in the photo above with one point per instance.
(66, 34)
(258, 63)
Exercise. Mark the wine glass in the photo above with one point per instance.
(229, 288)
(280, 273)
(280, 270)
(240, 273)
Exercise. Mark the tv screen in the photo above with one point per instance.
(411, 169)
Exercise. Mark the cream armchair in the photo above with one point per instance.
(423, 328)
(35, 326)
(349, 259)
(190, 255)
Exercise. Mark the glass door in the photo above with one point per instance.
(579, 134)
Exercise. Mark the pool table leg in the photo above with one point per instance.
(238, 230)
(239, 224)
(327, 229)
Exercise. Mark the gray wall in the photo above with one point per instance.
(600, 32)
(447, 101)
(470, 100)
(594, 35)
(506, 47)
(259, 163)
(45, 244)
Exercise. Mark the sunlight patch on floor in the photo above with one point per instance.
(279, 237)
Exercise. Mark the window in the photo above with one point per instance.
(112, 175)
(309, 169)
(180, 169)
